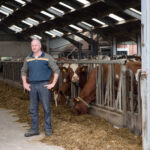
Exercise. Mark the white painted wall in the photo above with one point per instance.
(14, 48)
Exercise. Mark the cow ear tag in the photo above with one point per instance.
(83, 69)
(77, 99)
(64, 70)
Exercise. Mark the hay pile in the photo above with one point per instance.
(72, 132)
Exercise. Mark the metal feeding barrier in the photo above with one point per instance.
(115, 93)
(11, 70)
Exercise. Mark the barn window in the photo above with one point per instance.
(56, 32)
(49, 33)
(76, 28)
(116, 17)
(136, 11)
(15, 28)
(20, 2)
(67, 6)
(85, 2)
(32, 21)
(35, 36)
(98, 21)
(87, 24)
(47, 14)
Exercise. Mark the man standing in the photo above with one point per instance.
(40, 66)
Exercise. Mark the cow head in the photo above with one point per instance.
(79, 107)
(65, 72)
(75, 71)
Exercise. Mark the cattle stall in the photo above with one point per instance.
(115, 96)
(119, 104)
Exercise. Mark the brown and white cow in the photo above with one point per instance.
(64, 92)
(87, 94)
(70, 73)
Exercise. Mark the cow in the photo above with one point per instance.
(63, 94)
(71, 73)
(88, 93)
(55, 89)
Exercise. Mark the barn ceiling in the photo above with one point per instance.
(25, 19)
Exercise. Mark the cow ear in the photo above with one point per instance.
(84, 68)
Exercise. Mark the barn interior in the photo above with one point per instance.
(76, 30)
(71, 29)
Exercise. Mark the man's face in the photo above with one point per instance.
(36, 46)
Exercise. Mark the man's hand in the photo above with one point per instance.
(49, 86)
(26, 86)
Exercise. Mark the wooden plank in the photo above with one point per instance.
(112, 117)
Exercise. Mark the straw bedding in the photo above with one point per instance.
(72, 132)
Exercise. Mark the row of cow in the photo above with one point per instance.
(77, 75)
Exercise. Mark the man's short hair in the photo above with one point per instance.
(36, 39)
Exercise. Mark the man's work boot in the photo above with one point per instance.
(31, 133)
(48, 132)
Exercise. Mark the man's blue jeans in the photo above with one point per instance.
(39, 92)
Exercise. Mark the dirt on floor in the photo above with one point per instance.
(85, 132)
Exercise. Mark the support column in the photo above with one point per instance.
(114, 46)
(139, 45)
(80, 51)
(48, 45)
(91, 44)
(145, 77)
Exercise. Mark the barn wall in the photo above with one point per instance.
(14, 49)
(131, 47)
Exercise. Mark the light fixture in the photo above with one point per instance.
(58, 10)
(7, 9)
(67, 6)
(32, 21)
(3, 12)
(116, 17)
(56, 32)
(136, 11)
(15, 28)
(20, 2)
(49, 33)
(47, 14)
(76, 28)
(87, 24)
(35, 36)
(98, 21)
(25, 22)
(85, 2)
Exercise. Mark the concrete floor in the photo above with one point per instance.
(12, 135)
